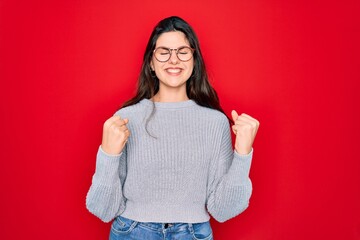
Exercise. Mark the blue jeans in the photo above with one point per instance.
(126, 229)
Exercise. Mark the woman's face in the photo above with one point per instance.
(173, 73)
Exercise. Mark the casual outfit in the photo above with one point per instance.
(176, 168)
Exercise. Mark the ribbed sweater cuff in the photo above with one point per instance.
(107, 167)
(240, 168)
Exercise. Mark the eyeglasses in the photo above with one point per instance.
(163, 54)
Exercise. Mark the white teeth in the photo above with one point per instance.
(172, 70)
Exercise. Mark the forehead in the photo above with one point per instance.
(172, 40)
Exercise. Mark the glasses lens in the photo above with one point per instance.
(184, 53)
(162, 54)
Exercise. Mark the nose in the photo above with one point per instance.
(173, 57)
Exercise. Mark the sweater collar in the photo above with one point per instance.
(169, 105)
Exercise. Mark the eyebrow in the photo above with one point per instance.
(173, 48)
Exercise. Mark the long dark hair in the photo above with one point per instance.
(198, 87)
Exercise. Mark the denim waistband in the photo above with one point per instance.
(162, 226)
(168, 226)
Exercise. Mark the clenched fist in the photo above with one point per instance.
(115, 135)
(245, 129)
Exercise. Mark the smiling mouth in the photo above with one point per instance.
(173, 70)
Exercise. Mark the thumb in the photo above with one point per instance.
(126, 120)
(234, 115)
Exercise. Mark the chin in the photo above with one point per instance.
(173, 84)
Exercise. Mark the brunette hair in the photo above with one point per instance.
(198, 87)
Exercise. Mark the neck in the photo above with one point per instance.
(170, 96)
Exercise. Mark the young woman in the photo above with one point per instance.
(166, 159)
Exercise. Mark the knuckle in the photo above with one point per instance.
(107, 123)
(116, 129)
(124, 134)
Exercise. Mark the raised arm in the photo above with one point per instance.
(105, 198)
(230, 187)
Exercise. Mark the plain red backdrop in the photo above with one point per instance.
(66, 66)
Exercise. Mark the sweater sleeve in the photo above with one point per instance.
(229, 187)
(105, 198)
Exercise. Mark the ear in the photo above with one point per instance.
(152, 66)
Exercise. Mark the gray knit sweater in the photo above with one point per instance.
(184, 171)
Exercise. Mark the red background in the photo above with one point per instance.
(66, 66)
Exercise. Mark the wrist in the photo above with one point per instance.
(109, 152)
(242, 150)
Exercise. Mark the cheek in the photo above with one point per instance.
(191, 67)
(156, 66)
